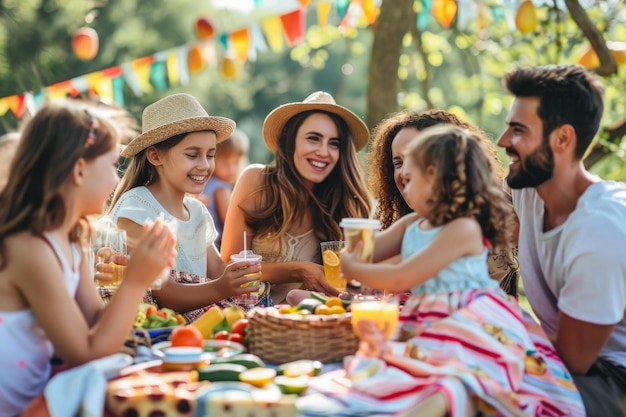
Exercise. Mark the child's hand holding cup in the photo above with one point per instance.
(356, 230)
(250, 298)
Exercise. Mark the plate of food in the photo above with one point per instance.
(212, 348)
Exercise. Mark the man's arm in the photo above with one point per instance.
(578, 343)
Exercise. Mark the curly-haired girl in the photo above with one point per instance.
(465, 345)
(385, 160)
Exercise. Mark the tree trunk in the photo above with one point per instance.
(383, 84)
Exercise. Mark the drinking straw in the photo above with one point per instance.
(244, 245)
(373, 209)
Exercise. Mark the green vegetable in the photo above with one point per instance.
(221, 372)
(246, 359)
(309, 304)
(322, 298)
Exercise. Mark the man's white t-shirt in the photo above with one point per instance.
(579, 267)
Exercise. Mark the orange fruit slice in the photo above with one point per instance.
(330, 258)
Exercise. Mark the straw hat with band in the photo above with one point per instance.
(174, 115)
(275, 121)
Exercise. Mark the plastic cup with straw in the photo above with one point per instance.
(249, 299)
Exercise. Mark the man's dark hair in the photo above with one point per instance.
(568, 94)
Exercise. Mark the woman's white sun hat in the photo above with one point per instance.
(275, 121)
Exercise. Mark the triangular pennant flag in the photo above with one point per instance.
(351, 18)
(293, 25)
(322, 13)
(38, 97)
(342, 8)
(370, 11)
(141, 67)
(16, 104)
(240, 41)
(256, 35)
(273, 33)
(104, 88)
(172, 68)
(112, 72)
(423, 14)
(61, 90)
(131, 79)
(29, 101)
(118, 91)
(464, 14)
(444, 11)
(161, 56)
(223, 39)
(93, 79)
(80, 83)
(158, 75)
(183, 69)
(4, 106)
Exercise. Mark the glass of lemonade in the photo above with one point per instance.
(383, 311)
(332, 261)
(110, 250)
(355, 230)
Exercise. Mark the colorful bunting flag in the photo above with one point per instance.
(293, 25)
(240, 41)
(174, 66)
(323, 9)
(271, 27)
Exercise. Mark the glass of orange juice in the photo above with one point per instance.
(382, 310)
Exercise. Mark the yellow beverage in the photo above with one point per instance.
(355, 230)
(332, 271)
(332, 262)
(117, 274)
(383, 313)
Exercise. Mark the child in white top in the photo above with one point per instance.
(172, 158)
(64, 169)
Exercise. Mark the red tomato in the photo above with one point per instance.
(221, 335)
(236, 337)
(240, 327)
(186, 336)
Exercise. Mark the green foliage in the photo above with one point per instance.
(458, 69)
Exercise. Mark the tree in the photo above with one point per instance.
(472, 61)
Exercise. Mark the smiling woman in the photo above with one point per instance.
(286, 208)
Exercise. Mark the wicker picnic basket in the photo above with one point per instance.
(281, 338)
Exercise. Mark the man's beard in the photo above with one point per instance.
(535, 169)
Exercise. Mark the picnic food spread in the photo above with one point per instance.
(206, 370)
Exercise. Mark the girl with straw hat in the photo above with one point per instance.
(172, 158)
(289, 206)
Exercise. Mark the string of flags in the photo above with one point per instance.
(175, 66)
